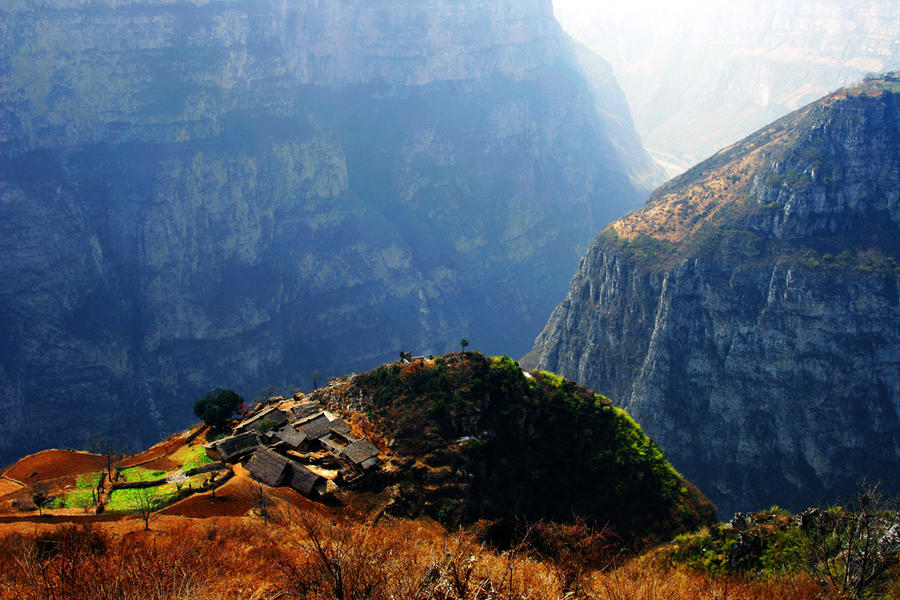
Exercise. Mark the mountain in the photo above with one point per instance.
(700, 76)
(748, 315)
(247, 192)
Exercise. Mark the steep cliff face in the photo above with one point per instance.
(238, 193)
(748, 316)
(702, 75)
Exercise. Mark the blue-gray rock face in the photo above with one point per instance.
(238, 193)
(748, 316)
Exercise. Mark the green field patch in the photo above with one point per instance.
(131, 500)
(126, 501)
(74, 499)
(191, 457)
(88, 481)
(140, 474)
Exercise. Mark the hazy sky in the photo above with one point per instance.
(572, 14)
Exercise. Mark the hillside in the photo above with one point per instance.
(748, 315)
(476, 438)
(247, 192)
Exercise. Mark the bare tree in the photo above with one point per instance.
(146, 502)
(853, 547)
(109, 447)
(341, 556)
(314, 377)
(262, 502)
(268, 392)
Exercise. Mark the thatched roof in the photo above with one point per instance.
(272, 414)
(316, 427)
(302, 479)
(360, 451)
(268, 467)
(236, 446)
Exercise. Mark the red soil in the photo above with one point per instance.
(233, 499)
(160, 464)
(53, 464)
(156, 452)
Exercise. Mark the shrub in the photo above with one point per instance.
(217, 406)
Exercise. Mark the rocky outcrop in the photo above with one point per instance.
(748, 316)
(228, 193)
(702, 76)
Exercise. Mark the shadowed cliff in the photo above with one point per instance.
(243, 193)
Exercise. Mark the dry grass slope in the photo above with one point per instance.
(309, 555)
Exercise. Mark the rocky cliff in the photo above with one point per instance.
(235, 193)
(748, 316)
(702, 75)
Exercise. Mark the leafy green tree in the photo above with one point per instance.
(217, 406)
(463, 344)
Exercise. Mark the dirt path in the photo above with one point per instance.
(8, 486)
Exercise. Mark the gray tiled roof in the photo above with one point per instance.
(271, 413)
(306, 409)
(315, 427)
(290, 436)
(360, 451)
(236, 446)
(339, 426)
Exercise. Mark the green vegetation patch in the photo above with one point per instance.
(133, 474)
(644, 248)
(191, 457)
(131, 500)
(88, 481)
(852, 550)
(79, 498)
(536, 446)
(763, 542)
(871, 261)
(127, 501)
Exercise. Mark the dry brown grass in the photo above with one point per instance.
(308, 554)
(641, 580)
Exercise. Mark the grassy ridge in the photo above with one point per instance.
(531, 446)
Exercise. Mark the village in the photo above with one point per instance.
(298, 444)
(293, 444)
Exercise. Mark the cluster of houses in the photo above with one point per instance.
(297, 444)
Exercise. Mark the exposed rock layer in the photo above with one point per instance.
(748, 316)
(237, 193)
